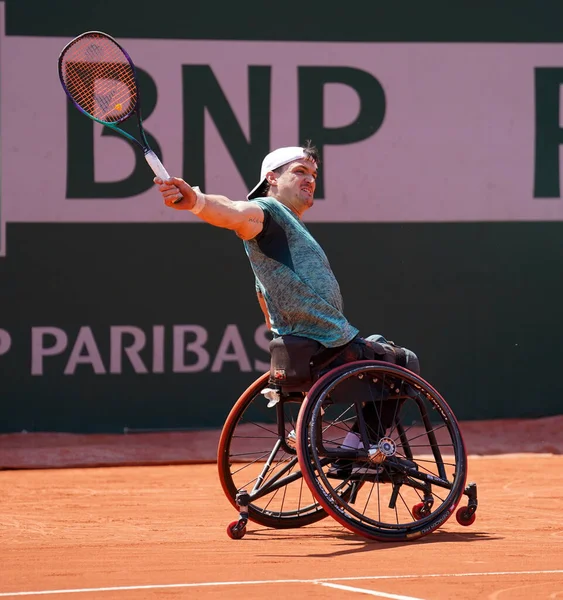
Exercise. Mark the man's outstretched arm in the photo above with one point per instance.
(243, 217)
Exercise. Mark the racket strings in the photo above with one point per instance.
(99, 78)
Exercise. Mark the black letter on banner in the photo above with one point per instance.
(202, 91)
(549, 134)
(311, 108)
(80, 158)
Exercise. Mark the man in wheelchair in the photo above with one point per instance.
(296, 288)
(409, 435)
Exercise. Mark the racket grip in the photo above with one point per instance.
(158, 168)
(156, 165)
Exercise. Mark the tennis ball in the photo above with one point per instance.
(118, 107)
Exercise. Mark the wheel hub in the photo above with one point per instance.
(385, 447)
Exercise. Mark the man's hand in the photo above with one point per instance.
(174, 188)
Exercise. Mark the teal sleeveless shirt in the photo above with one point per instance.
(293, 273)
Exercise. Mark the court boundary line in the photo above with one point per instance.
(317, 580)
(356, 590)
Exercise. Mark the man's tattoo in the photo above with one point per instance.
(255, 220)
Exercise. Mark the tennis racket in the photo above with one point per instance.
(99, 77)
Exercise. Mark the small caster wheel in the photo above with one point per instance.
(464, 516)
(236, 531)
(419, 511)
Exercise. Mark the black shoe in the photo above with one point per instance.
(341, 468)
(384, 472)
(367, 468)
(400, 465)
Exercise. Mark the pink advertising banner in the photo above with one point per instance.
(457, 142)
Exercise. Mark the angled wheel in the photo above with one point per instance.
(410, 466)
(465, 517)
(254, 454)
(419, 511)
(235, 531)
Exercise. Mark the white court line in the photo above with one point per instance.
(124, 588)
(347, 588)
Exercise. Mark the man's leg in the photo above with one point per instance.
(380, 415)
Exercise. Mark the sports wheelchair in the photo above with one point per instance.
(285, 456)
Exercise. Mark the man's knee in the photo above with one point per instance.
(412, 361)
(409, 358)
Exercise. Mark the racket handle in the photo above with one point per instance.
(156, 165)
(158, 168)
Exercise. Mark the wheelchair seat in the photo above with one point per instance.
(297, 362)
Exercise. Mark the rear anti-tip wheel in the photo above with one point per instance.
(464, 516)
(236, 531)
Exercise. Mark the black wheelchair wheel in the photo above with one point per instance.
(257, 453)
(388, 434)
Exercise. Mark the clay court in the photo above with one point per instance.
(158, 530)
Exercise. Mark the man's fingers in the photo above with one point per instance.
(173, 200)
(171, 190)
(167, 190)
(171, 183)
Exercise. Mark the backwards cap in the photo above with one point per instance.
(274, 160)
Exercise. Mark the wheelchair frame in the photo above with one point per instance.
(406, 476)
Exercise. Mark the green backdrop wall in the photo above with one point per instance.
(480, 302)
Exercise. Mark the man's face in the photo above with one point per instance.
(295, 184)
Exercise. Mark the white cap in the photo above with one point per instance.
(274, 160)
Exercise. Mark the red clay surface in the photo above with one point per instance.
(45, 450)
(143, 532)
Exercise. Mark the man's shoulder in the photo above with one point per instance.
(266, 202)
(272, 207)
(276, 209)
